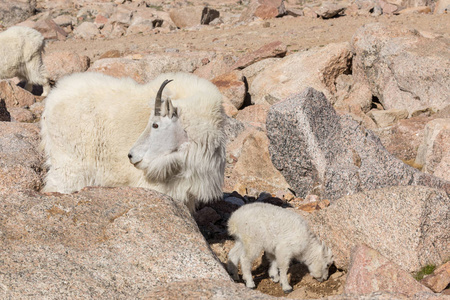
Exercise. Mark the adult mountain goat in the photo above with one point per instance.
(283, 235)
(98, 130)
(21, 55)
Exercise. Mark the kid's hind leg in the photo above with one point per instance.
(249, 254)
(233, 259)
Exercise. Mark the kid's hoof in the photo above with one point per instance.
(288, 291)
(274, 279)
(251, 286)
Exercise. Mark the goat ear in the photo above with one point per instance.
(165, 108)
(173, 111)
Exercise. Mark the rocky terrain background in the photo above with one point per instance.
(338, 110)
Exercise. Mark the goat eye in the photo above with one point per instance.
(155, 125)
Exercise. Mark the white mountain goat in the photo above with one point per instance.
(98, 130)
(283, 235)
(21, 56)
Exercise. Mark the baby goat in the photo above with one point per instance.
(283, 235)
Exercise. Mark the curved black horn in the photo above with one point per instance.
(158, 97)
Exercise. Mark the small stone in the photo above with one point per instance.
(235, 201)
(111, 54)
(5, 116)
(385, 118)
(309, 207)
(240, 188)
(324, 203)
(206, 216)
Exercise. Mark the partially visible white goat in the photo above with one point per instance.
(21, 56)
(94, 125)
(283, 235)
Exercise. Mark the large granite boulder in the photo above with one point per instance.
(408, 225)
(110, 243)
(319, 152)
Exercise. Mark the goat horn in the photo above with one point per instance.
(158, 98)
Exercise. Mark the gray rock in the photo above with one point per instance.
(209, 15)
(320, 153)
(403, 69)
(407, 225)
(233, 128)
(110, 243)
(13, 12)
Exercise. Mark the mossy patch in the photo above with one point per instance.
(426, 270)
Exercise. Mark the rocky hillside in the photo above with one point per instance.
(337, 110)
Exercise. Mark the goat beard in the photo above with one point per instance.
(164, 167)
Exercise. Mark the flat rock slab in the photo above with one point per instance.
(408, 225)
(319, 152)
(109, 243)
(372, 272)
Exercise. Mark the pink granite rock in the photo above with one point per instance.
(15, 96)
(274, 49)
(232, 86)
(370, 272)
(100, 243)
(59, 64)
(50, 30)
(410, 228)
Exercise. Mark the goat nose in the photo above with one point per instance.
(134, 159)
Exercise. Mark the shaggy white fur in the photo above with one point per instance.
(91, 122)
(283, 235)
(21, 55)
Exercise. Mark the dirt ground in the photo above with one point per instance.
(304, 285)
(297, 33)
